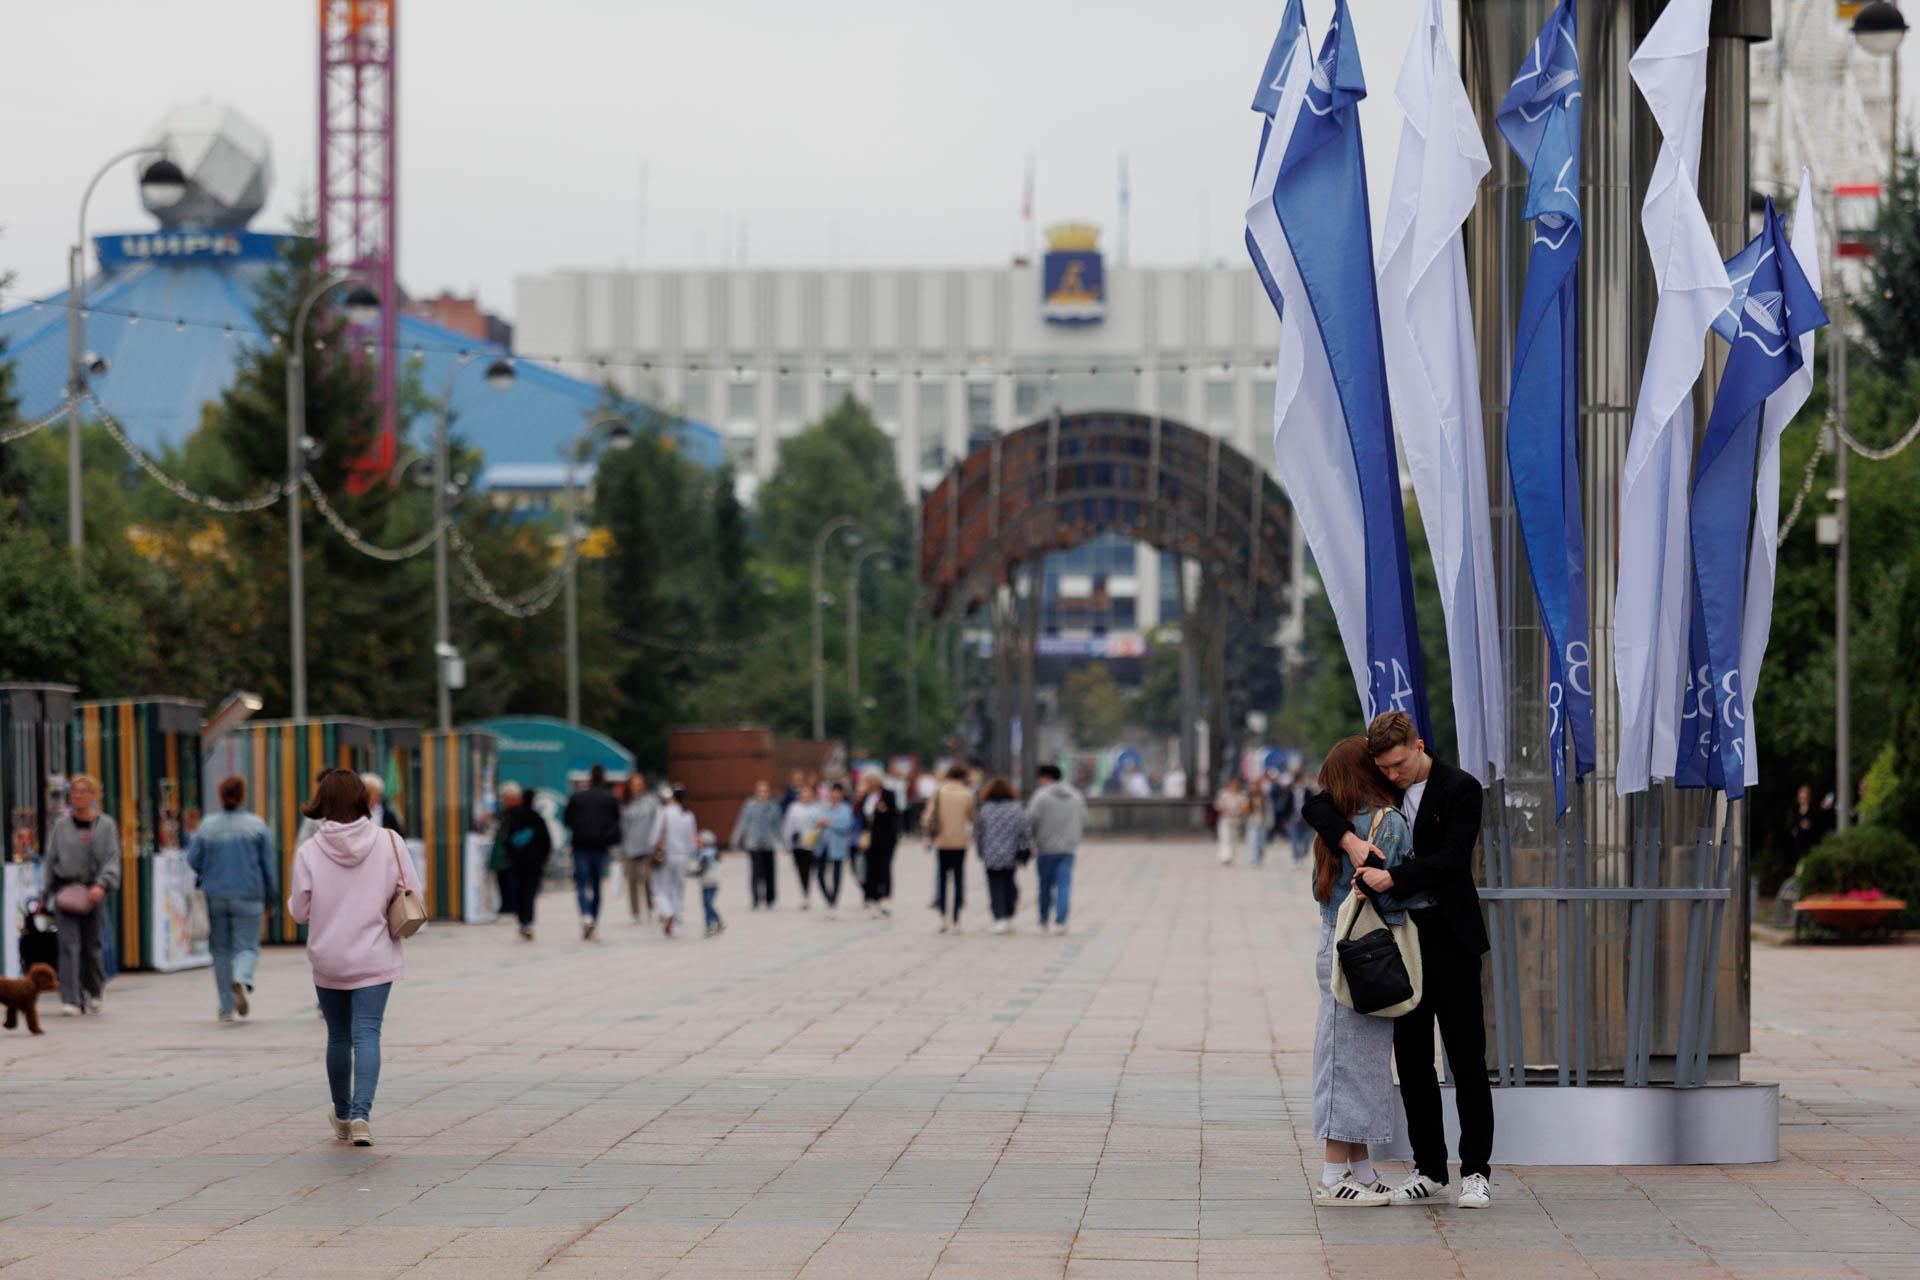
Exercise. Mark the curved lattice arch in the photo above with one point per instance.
(1056, 483)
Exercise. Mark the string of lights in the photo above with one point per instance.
(536, 599)
(25, 429)
(228, 506)
(355, 539)
(1820, 448)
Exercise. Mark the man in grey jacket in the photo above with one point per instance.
(757, 830)
(232, 854)
(1059, 816)
(83, 849)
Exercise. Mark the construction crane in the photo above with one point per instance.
(359, 187)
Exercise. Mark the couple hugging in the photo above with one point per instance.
(1403, 824)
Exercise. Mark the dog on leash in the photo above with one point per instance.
(22, 996)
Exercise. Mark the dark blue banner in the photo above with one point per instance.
(190, 246)
(1540, 119)
(1321, 199)
(1773, 305)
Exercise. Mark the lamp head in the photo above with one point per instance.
(363, 307)
(619, 435)
(162, 184)
(1879, 28)
(95, 363)
(500, 374)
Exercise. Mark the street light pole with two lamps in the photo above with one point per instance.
(446, 655)
(853, 539)
(619, 433)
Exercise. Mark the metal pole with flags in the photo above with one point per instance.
(1540, 120)
(1433, 372)
(1782, 405)
(1333, 433)
(1650, 606)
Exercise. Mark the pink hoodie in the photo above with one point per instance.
(343, 878)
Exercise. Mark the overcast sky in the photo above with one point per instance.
(868, 132)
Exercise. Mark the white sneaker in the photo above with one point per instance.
(1348, 1194)
(1417, 1189)
(1060, 927)
(69, 1010)
(1474, 1192)
(999, 926)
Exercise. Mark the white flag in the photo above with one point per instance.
(1427, 327)
(1650, 615)
(1782, 405)
(1312, 452)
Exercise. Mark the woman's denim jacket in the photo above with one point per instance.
(1396, 842)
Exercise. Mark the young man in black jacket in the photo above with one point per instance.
(592, 817)
(1442, 806)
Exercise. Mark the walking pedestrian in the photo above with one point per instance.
(797, 832)
(1298, 830)
(1257, 822)
(1230, 813)
(675, 841)
(757, 830)
(1442, 806)
(638, 808)
(232, 860)
(82, 866)
(383, 814)
(834, 843)
(1352, 1052)
(1058, 813)
(529, 844)
(706, 869)
(592, 817)
(343, 880)
(950, 830)
(1006, 841)
(880, 836)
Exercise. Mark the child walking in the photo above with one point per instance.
(706, 861)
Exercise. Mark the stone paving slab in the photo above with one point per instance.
(811, 1096)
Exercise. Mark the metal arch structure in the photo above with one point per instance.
(985, 531)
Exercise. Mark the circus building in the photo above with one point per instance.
(170, 313)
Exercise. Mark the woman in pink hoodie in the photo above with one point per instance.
(343, 878)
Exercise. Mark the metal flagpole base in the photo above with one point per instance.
(1613, 1124)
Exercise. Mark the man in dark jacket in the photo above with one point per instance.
(1442, 806)
(593, 819)
(528, 843)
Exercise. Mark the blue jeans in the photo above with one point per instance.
(707, 892)
(1256, 842)
(589, 869)
(1302, 839)
(235, 943)
(353, 1046)
(1056, 885)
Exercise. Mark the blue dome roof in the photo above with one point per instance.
(194, 320)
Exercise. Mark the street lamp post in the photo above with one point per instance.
(499, 376)
(1879, 29)
(363, 308)
(162, 184)
(819, 662)
(853, 621)
(619, 435)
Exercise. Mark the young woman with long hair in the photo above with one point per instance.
(1352, 1052)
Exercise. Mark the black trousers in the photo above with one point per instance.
(1003, 895)
(526, 887)
(803, 867)
(878, 886)
(829, 875)
(953, 866)
(1450, 996)
(762, 860)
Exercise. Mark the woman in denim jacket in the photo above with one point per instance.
(1352, 1052)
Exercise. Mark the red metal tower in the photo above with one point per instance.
(359, 182)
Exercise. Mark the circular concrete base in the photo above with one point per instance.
(1611, 1124)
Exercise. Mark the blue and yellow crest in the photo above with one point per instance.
(1073, 280)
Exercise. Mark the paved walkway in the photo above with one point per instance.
(815, 1098)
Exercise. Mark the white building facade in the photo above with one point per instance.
(944, 358)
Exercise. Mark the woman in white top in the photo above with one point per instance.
(676, 838)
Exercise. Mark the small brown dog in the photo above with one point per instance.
(22, 995)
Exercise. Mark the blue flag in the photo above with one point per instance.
(1773, 305)
(1321, 199)
(1540, 119)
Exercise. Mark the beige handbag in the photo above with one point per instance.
(405, 913)
(1358, 918)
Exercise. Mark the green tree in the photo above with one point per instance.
(1889, 307)
(1094, 706)
(54, 628)
(842, 465)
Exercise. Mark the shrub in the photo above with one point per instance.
(1866, 857)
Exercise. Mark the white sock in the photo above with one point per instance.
(1363, 1171)
(1332, 1173)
